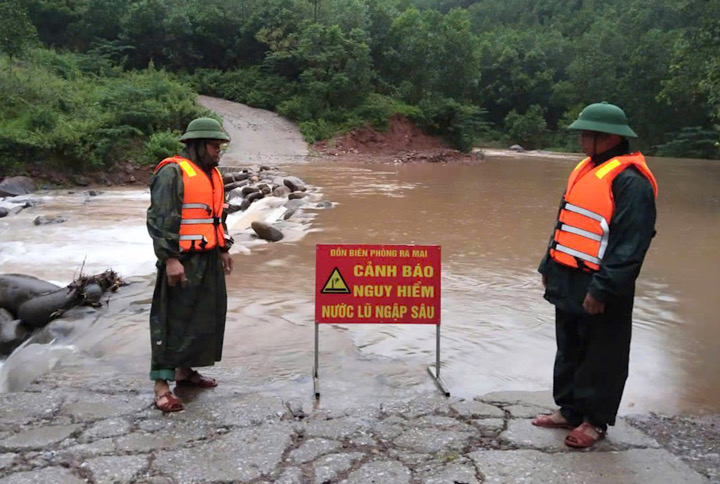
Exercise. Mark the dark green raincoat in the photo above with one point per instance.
(187, 324)
(593, 352)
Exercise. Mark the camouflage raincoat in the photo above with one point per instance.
(187, 324)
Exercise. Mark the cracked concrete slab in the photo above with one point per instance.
(117, 469)
(241, 455)
(380, 472)
(475, 409)
(429, 440)
(637, 466)
(330, 466)
(38, 438)
(312, 449)
(522, 434)
(23, 408)
(86, 406)
(54, 475)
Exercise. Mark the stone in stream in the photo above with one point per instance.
(248, 190)
(289, 213)
(295, 204)
(238, 184)
(281, 191)
(297, 195)
(12, 334)
(294, 183)
(266, 231)
(233, 194)
(38, 311)
(16, 185)
(15, 289)
(47, 220)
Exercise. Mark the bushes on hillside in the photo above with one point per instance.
(55, 113)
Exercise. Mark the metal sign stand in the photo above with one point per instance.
(434, 374)
(316, 379)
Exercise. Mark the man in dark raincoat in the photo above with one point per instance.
(186, 222)
(604, 227)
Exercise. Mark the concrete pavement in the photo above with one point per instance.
(66, 429)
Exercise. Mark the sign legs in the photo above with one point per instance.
(316, 380)
(436, 374)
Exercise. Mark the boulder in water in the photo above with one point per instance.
(17, 185)
(266, 231)
(47, 220)
(282, 191)
(294, 183)
(15, 289)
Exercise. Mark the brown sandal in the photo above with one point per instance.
(546, 421)
(580, 440)
(195, 379)
(172, 403)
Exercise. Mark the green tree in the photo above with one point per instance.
(527, 128)
(335, 68)
(16, 30)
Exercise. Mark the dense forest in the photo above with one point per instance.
(86, 83)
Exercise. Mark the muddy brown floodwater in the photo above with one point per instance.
(492, 219)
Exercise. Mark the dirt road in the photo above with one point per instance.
(258, 136)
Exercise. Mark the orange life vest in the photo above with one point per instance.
(583, 226)
(201, 227)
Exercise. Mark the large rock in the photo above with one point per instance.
(248, 190)
(16, 185)
(266, 231)
(15, 289)
(238, 184)
(296, 195)
(12, 334)
(49, 219)
(294, 183)
(3, 212)
(234, 193)
(282, 191)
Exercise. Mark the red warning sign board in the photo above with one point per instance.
(377, 284)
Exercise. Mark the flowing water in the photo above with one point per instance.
(492, 220)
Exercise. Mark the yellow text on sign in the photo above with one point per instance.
(370, 270)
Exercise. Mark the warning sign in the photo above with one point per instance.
(335, 284)
(377, 284)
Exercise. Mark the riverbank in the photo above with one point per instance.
(75, 426)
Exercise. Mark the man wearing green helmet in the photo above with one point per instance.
(186, 221)
(604, 227)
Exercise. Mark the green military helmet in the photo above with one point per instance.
(603, 118)
(204, 128)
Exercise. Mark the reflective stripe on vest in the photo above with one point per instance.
(582, 231)
(203, 201)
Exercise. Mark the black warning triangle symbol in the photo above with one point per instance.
(335, 284)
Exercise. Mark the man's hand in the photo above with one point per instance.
(175, 272)
(592, 306)
(227, 262)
